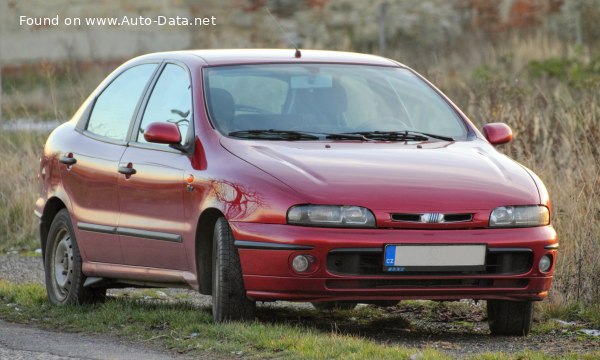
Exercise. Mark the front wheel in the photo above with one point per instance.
(228, 292)
(509, 317)
(62, 264)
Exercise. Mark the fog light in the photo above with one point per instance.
(545, 263)
(301, 263)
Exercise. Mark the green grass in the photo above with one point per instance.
(185, 328)
(30, 253)
(572, 311)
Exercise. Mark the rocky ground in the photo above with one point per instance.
(457, 328)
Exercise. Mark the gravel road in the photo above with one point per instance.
(459, 334)
(21, 269)
(26, 342)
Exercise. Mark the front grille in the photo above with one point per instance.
(369, 261)
(407, 217)
(425, 284)
(434, 218)
(450, 218)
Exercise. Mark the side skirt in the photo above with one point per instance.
(138, 275)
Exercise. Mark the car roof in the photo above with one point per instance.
(258, 56)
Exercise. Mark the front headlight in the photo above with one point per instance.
(520, 216)
(331, 216)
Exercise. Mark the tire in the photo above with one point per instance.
(62, 265)
(228, 293)
(335, 305)
(509, 317)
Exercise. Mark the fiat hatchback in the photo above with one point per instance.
(261, 175)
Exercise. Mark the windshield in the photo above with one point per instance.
(325, 99)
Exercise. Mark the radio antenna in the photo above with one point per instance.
(297, 54)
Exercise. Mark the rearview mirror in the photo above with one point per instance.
(162, 133)
(497, 133)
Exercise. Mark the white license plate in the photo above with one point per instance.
(401, 257)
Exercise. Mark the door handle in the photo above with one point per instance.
(68, 159)
(127, 170)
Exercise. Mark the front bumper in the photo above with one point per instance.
(349, 264)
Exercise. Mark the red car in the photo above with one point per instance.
(262, 175)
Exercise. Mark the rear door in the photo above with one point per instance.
(151, 222)
(90, 162)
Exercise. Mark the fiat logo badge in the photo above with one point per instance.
(432, 218)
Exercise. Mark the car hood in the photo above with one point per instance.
(393, 176)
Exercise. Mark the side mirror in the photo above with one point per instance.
(162, 133)
(497, 133)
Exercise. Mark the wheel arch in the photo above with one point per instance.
(52, 207)
(204, 239)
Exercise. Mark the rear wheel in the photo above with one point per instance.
(509, 317)
(62, 264)
(228, 292)
(335, 305)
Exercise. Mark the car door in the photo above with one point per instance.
(151, 222)
(90, 161)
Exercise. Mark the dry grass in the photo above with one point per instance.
(19, 160)
(556, 125)
(48, 90)
(555, 122)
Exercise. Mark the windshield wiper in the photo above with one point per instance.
(390, 135)
(272, 134)
(435, 136)
(400, 135)
(347, 136)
